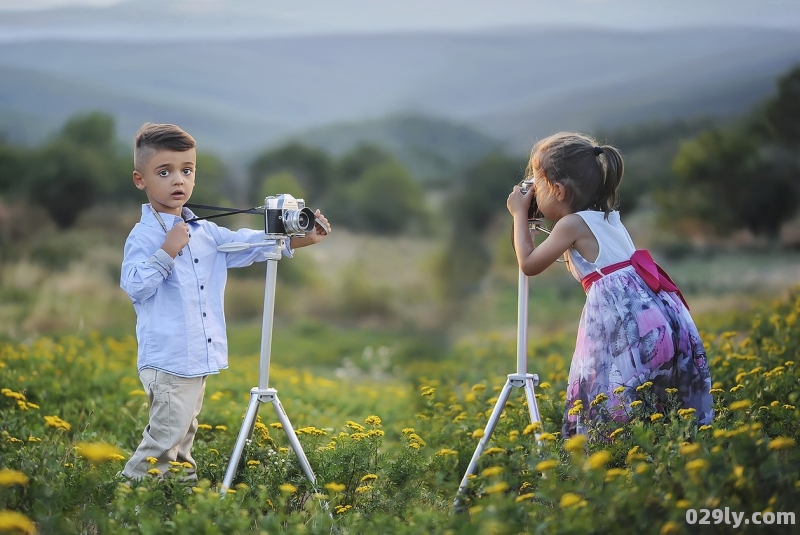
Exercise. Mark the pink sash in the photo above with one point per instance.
(650, 272)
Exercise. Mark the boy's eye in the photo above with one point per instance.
(187, 171)
(163, 172)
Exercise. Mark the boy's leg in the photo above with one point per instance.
(173, 401)
(183, 452)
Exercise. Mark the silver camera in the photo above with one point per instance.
(286, 215)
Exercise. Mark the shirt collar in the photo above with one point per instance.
(169, 219)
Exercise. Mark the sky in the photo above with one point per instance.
(226, 18)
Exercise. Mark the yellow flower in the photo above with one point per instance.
(500, 486)
(34, 439)
(97, 452)
(532, 428)
(547, 437)
(408, 430)
(10, 477)
(154, 472)
(13, 521)
(151, 460)
(369, 477)
(478, 433)
(697, 464)
(288, 488)
(575, 444)
(619, 390)
(203, 426)
(365, 488)
(137, 393)
(614, 472)
(690, 449)
(253, 462)
(597, 460)
(523, 497)
(739, 405)
(655, 417)
(446, 451)
(546, 465)
(492, 471)
(781, 443)
(492, 451)
(276, 425)
(335, 487)
(670, 528)
(716, 391)
(545, 385)
(197, 490)
(221, 428)
(616, 432)
(372, 420)
(58, 423)
(671, 390)
(644, 386)
(568, 499)
(683, 504)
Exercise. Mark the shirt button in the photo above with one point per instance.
(196, 260)
(204, 314)
(201, 286)
(209, 340)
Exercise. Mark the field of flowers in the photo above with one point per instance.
(389, 454)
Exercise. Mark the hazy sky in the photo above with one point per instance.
(151, 18)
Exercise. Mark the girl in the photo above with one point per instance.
(635, 327)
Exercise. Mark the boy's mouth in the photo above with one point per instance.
(177, 194)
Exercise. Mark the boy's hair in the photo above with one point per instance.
(590, 173)
(155, 137)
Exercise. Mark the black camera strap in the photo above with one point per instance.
(225, 211)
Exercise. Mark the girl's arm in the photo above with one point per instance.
(533, 260)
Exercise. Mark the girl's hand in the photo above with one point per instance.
(518, 202)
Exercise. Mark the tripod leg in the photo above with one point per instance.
(487, 433)
(295, 443)
(533, 407)
(245, 433)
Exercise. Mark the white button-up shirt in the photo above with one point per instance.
(180, 325)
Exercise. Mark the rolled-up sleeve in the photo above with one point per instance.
(143, 270)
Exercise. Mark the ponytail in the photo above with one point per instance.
(612, 168)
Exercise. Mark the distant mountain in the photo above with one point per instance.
(515, 85)
(430, 148)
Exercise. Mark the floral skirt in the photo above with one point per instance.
(628, 336)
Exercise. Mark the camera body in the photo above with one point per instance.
(533, 209)
(286, 215)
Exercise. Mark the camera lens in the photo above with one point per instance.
(298, 221)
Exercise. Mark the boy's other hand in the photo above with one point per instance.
(320, 231)
(321, 226)
(177, 238)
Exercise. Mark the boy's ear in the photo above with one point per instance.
(137, 180)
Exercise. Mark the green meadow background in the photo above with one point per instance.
(393, 336)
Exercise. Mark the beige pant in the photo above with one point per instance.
(175, 403)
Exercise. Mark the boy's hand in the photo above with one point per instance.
(320, 231)
(177, 238)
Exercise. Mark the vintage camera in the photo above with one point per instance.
(286, 215)
(533, 209)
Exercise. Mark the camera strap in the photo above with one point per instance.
(225, 211)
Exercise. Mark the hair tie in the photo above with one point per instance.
(597, 151)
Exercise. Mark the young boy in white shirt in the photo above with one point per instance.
(175, 277)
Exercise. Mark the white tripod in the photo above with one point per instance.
(262, 393)
(521, 379)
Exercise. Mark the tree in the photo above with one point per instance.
(355, 163)
(734, 183)
(783, 110)
(311, 167)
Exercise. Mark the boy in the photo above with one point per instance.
(175, 277)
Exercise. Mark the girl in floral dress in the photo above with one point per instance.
(635, 327)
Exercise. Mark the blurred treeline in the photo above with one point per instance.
(703, 177)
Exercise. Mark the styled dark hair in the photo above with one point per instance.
(590, 173)
(155, 137)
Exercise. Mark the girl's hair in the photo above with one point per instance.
(590, 173)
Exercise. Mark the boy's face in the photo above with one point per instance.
(167, 177)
